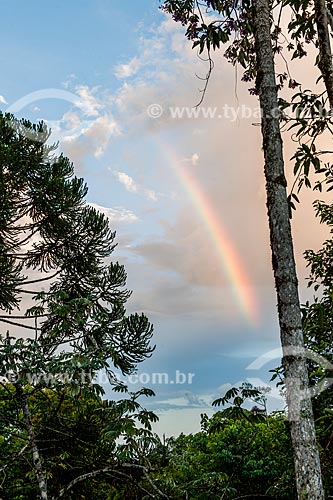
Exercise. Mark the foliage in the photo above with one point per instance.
(52, 239)
(229, 458)
(318, 330)
(74, 436)
(240, 395)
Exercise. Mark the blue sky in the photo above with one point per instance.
(92, 70)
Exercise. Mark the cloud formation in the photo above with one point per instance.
(129, 69)
(227, 159)
(80, 139)
(118, 214)
(130, 185)
(224, 154)
(89, 103)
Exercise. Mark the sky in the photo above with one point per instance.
(117, 82)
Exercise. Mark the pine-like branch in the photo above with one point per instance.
(41, 279)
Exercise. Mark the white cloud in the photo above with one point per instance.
(195, 159)
(127, 181)
(88, 103)
(188, 399)
(101, 131)
(127, 70)
(67, 83)
(118, 214)
(131, 186)
(88, 137)
(3, 100)
(71, 120)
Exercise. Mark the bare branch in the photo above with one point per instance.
(25, 317)
(19, 324)
(111, 470)
(14, 457)
(206, 78)
(211, 64)
(155, 488)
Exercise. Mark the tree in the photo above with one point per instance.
(232, 457)
(325, 55)
(246, 393)
(78, 436)
(318, 331)
(55, 250)
(306, 456)
(318, 316)
(253, 46)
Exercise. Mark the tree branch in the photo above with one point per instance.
(19, 324)
(25, 317)
(325, 53)
(41, 279)
(22, 242)
(329, 18)
(11, 459)
(111, 470)
(37, 464)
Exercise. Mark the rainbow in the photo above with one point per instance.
(228, 255)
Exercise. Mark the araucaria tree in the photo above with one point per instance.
(59, 286)
(252, 31)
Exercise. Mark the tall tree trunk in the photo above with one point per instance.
(306, 456)
(37, 464)
(325, 54)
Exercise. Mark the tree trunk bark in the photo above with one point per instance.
(37, 464)
(325, 54)
(300, 415)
